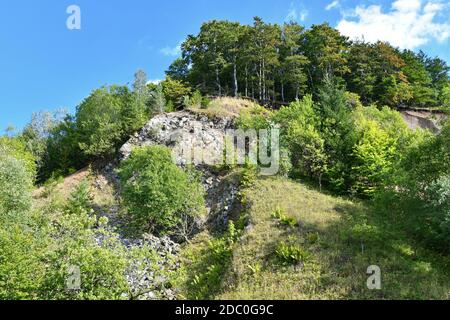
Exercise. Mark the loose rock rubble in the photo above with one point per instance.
(144, 283)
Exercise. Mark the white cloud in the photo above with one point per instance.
(295, 14)
(156, 81)
(172, 51)
(409, 23)
(332, 5)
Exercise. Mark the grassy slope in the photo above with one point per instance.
(342, 238)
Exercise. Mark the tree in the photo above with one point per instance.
(178, 70)
(175, 91)
(156, 192)
(392, 87)
(157, 100)
(300, 136)
(419, 79)
(296, 75)
(135, 111)
(326, 49)
(439, 73)
(375, 155)
(290, 46)
(99, 121)
(63, 153)
(337, 128)
(363, 76)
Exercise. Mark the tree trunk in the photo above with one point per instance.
(219, 87)
(246, 80)
(260, 80)
(282, 91)
(264, 79)
(235, 77)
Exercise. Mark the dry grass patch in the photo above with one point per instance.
(225, 107)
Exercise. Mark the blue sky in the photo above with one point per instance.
(46, 66)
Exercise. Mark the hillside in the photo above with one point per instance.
(157, 215)
(341, 239)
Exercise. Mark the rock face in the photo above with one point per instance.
(184, 132)
(422, 119)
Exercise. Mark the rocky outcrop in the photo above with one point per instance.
(186, 130)
(179, 129)
(422, 119)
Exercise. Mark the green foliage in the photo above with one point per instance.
(39, 253)
(101, 128)
(374, 158)
(248, 175)
(284, 219)
(420, 80)
(207, 267)
(289, 254)
(254, 118)
(16, 148)
(421, 184)
(437, 206)
(195, 101)
(178, 70)
(156, 192)
(175, 91)
(158, 102)
(272, 62)
(80, 199)
(445, 96)
(299, 135)
(337, 129)
(16, 183)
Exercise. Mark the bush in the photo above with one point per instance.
(195, 101)
(175, 91)
(284, 219)
(157, 193)
(290, 254)
(253, 118)
(437, 208)
(299, 135)
(16, 183)
(16, 148)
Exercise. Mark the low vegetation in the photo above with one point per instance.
(325, 257)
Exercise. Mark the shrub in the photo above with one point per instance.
(437, 206)
(284, 219)
(175, 91)
(249, 174)
(299, 135)
(290, 254)
(156, 192)
(99, 121)
(16, 148)
(16, 183)
(254, 117)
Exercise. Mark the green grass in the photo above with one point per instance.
(333, 242)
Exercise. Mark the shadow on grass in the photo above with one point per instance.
(205, 268)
